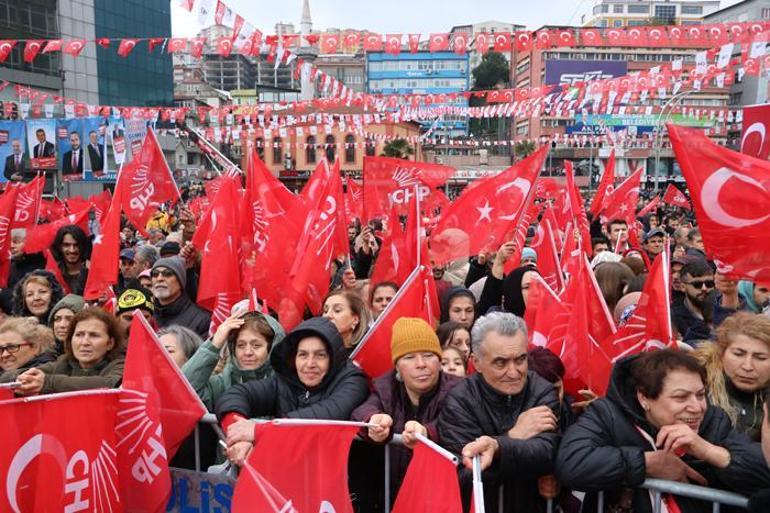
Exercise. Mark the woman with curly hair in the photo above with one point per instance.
(35, 295)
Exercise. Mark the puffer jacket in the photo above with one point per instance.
(389, 396)
(66, 375)
(199, 369)
(283, 395)
(184, 312)
(472, 409)
(604, 450)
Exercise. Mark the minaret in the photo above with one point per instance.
(306, 52)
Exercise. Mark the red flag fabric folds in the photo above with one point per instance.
(622, 203)
(42, 236)
(296, 468)
(673, 196)
(605, 188)
(430, 484)
(105, 254)
(51, 459)
(730, 192)
(7, 207)
(28, 203)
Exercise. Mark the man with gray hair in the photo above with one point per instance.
(504, 413)
(145, 257)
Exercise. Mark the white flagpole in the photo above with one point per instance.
(419, 224)
(478, 486)
(433, 445)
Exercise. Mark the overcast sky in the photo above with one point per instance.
(396, 16)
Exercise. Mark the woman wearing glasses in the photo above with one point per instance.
(738, 369)
(24, 343)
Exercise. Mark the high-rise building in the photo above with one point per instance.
(624, 13)
(488, 27)
(98, 75)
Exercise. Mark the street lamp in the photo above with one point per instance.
(659, 126)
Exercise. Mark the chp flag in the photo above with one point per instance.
(730, 192)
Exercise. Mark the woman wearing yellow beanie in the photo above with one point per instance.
(407, 400)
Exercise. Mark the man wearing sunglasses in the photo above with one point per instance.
(172, 305)
(693, 314)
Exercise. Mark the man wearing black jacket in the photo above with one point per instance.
(172, 305)
(505, 414)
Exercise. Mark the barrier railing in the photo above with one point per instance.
(658, 487)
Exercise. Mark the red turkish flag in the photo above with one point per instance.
(52, 459)
(31, 49)
(373, 43)
(416, 298)
(146, 183)
(622, 203)
(28, 203)
(649, 326)
(547, 257)
(543, 39)
(6, 46)
(637, 36)
(390, 183)
(576, 206)
(354, 195)
(40, 237)
(177, 44)
(323, 238)
(99, 202)
(159, 409)
(53, 45)
(502, 42)
(430, 483)
(460, 43)
(74, 47)
(482, 216)
(52, 210)
(587, 364)
(398, 253)
(566, 38)
(126, 46)
(296, 467)
(330, 43)
(531, 212)
(756, 128)
(606, 187)
(218, 238)
(393, 43)
(196, 46)
(546, 315)
(616, 37)
(673, 196)
(652, 205)
(105, 256)
(482, 42)
(591, 37)
(438, 43)
(224, 46)
(658, 36)
(730, 192)
(7, 208)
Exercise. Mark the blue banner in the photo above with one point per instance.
(199, 492)
(13, 147)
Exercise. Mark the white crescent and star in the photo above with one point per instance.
(709, 197)
(756, 127)
(34, 447)
(485, 211)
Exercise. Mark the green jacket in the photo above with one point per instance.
(65, 375)
(199, 369)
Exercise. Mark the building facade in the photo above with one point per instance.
(559, 65)
(422, 73)
(623, 13)
(488, 27)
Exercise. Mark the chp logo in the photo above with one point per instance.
(90, 484)
(24, 205)
(142, 189)
(259, 226)
(140, 438)
(406, 180)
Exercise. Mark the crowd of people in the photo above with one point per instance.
(475, 384)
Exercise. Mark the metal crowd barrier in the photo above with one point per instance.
(198, 481)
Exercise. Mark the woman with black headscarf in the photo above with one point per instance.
(508, 293)
(459, 305)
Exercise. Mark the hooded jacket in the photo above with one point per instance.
(605, 451)
(184, 313)
(472, 409)
(283, 395)
(199, 368)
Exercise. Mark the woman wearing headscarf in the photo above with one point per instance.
(459, 305)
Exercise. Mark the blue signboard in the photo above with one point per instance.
(198, 492)
(558, 71)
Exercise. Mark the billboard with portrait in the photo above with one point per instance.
(69, 139)
(13, 145)
(41, 143)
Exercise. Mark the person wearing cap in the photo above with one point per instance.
(407, 400)
(170, 249)
(505, 413)
(60, 319)
(130, 300)
(249, 338)
(528, 257)
(145, 278)
(128, 268)
(172, 305)
(312, 379)
(654, 242)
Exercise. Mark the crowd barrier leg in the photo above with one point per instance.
(600, 502)
(197, 448)
(549, 506)
(657, 500)
(387, 479)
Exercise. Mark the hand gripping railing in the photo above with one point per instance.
(658, 487)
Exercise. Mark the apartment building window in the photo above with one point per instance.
(277, 150)
(692, 9)
(617, 8)
(665, 12)
(766, 13)
(371, 148)
(600, 9)
(331, 148)
(638, 9)
(310, 150)
(259, 143)
(617, 23)
(350, 149)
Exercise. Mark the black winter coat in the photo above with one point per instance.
(605, 451)
(282, 395)
(184, 312)
(472, 409)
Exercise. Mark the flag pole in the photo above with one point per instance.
(417, 220)
(440, 450)
(478, 486)
(412, 276)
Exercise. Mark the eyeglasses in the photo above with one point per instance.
(13, 348)
(161, 272)
(699, 284)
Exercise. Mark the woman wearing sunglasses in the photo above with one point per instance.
(172, 304)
